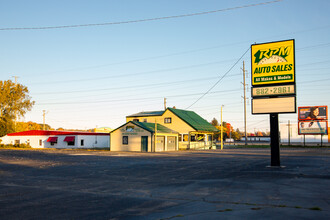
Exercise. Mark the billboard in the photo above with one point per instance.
(273, 63)
(313, 120)
(313, 113)
(313, 127)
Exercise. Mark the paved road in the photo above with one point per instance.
(228, 184)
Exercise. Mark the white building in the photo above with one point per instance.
(143, 137)
(58, 139)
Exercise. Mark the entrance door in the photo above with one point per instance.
(171, 143)
(160, 143)
(144, 143)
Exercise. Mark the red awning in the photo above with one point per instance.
(69, 138)
(52, 139)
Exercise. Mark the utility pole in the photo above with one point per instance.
(44, 119)
(15, 122)
(221, 130)
(244, 103)
(16, 77)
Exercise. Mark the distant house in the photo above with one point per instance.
(193, 131)
(58, 139)
(143, 137)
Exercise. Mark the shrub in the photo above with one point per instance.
(15, 146)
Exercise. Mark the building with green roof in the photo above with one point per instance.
(143, 137)
(194, 131)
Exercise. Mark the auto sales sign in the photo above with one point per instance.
(273, 63)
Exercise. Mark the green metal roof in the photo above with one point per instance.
(194, 120)
(146, 114)
(190, 117)
(151, 127)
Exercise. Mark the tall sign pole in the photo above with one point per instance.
(155, 135)
(274, 140)
(289, 133)
(221, 130)
(273, 86)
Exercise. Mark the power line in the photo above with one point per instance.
(133, 74)
(143, 59)
(140, 20)
(127, 87)
(314, 46)
(219, 79)
(163, 56)
(312, 81)
(131, 99)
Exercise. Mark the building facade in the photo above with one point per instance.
(143, 137)
(194, 131)
(58, 139)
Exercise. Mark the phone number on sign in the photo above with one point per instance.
(273, 90)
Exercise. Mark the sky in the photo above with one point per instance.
(95, 75)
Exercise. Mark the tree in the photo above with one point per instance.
(217, 136)
(215, 122)
(14, 103)
(236, 135)
(28, 126)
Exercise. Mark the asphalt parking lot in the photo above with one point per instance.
(227, 184)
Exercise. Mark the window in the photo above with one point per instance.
(40, 142)
(82, 142)
(70, 140)
(125, 140)
(145, 120)
(185, 137)
(180, 137)
(167, 120)
(17, 141)
(52, 140)
(136, 120)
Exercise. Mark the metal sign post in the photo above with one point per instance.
(274, 141)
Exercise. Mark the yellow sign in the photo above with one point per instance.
(273, 63)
